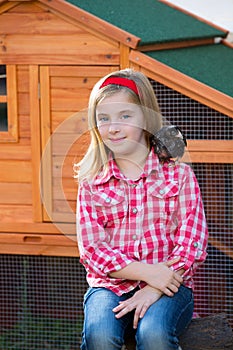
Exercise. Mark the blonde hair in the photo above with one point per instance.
(96, 157)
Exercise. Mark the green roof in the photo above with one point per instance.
(152, 21)
(209, 64)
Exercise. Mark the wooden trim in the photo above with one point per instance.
(227, 43)
(208, 157)
(210, 146)
(201, 19)
(183, 83)
(39, 228)
(175, 45)
(7, 5)
(93, 22)
(124, 56)
(209, 151)
(35, 141)
(12, 134)
(46, 159)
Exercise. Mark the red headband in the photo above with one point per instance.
(130, 84)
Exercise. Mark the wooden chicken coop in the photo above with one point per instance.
(51, 54)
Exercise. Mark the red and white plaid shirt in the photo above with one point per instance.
(154, 219)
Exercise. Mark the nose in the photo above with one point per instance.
(114, 128)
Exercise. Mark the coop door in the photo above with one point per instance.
(64, 93)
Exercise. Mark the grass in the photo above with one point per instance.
(42, 333)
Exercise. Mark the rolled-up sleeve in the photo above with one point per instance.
(96, 254)
(190, 242)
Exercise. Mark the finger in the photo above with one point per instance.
(122, 305)
(173, 288)
(168, 292)
(137, 315)
(173, 261)
(124, 311)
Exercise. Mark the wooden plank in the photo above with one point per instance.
(46, 165)
(77, 100)
(80, 71)
(15, 171)
(41, 228)
(32, 23)
(124, 56)
(7, 6)
(23, 104)
(50, 45)
(45, 250)
(209, 157)
(16, 213)
(15, 193)
(23, 79)
(93, 22)
(62, 143)
(69, 121)
(35, 141)
(183, 84)
(15, 152)
(210, 145)
(67, 217)
(76, 83)
(25, 6)
(36, 239)
(49, 59)
(59, 206)
(67, 186)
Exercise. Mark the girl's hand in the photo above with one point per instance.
(140, 301)
(161, 277)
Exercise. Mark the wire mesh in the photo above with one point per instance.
(41, 297)
(196, 120)
(41, 302)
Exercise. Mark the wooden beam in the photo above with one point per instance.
(46, 158)
(124, 56)
(35, 141)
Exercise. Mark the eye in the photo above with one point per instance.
(125, 116)
(103, 119)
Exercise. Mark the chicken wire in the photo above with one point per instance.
(41, 297)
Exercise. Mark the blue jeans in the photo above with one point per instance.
(159, 329)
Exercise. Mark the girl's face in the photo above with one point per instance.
(121, 125)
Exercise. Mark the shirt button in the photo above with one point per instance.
(108, 200)
(134, 237)
(134, 210)
(161, 191)
(195, 244)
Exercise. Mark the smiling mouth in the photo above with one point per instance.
(117, 140)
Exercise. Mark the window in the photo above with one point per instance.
(8, 104)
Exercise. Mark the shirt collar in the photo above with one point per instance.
(151, 165)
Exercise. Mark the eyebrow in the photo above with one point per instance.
(120, 112)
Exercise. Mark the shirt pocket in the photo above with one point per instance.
(111, 206)
(165, 201)
(166, 193)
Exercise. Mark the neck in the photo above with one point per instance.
(131, 168)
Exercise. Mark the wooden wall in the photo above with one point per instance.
(56, 62)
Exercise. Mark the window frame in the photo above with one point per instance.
(11, 135)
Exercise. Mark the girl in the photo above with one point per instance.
(140, 222)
